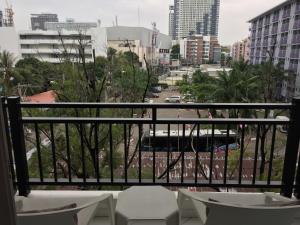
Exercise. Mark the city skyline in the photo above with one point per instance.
(233, 13)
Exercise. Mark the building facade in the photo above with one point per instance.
(70, 25)
(276, 34)
(199, 49)
(1, 18)
(9, 41)
(38, 20)
(142, 41)
(54, 47)
(172, 23)
(194, 17)
(241, 50)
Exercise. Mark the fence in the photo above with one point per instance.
(84, 144)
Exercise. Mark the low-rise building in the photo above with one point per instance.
(153, 45)
(241, 50)
(38, 20)
(55, 46)
(198, 49)
(71, 25)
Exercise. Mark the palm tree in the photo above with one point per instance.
(6, 71)
(271, 77)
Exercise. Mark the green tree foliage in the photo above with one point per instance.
(175, 52)
(36, 74)
(117, 78)
(6, 73)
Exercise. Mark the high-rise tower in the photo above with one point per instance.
(194, 17)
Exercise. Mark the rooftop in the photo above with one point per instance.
(271, 10)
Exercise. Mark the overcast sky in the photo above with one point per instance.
(234, 14)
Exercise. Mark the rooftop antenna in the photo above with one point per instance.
(116, 21)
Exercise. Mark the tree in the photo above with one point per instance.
(175, 52)
(132, 57)
(36, 75)
(6, 72)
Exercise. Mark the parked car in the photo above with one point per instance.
(152, 95)
(156, 89)
(173, 99)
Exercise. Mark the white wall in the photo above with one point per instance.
(99, 38)
(9, 41)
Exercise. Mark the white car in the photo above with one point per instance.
(173, 99)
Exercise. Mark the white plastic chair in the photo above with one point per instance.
(84, 211)
(238, 209)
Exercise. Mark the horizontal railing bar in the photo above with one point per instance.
(82, 120)
(186, 183)
(159, 105)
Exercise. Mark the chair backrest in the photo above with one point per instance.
(66, 217)
(234, 215)
(80, 215)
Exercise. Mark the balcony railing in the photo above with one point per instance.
(297, 10)
(283, 41)
(285, 28)
(274, 30)
(297, 24)
(259, 34)
(295, 54)
(265, 43)
(158, 162)
(275, 18)
(296, 39)
(266, 32)
(286, 14)
(282, 54)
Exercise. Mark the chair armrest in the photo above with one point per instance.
(272, 195)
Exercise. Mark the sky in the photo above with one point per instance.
(234, 14)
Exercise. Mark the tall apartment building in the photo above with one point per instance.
(199, 49)
(241, 50)
(172, 22)
(194, 17)
(276, 33)
(38, 20)
(1, 18)
(71, 25)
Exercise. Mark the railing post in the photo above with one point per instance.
(18, 143)
(291, 152)
(8, 140)
(7, 206)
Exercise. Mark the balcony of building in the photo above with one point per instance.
(295, 54)
(293, 67)
(274, 30)
(297, 9)
(198, 153)
(286, 14)
(297, 24)
(283, 41)
(265, 43)
(282, 54)
(275, 18)
(296, 39)
(285, 28)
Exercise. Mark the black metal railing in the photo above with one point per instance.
(81, 144)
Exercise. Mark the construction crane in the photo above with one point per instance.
(8, 20)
